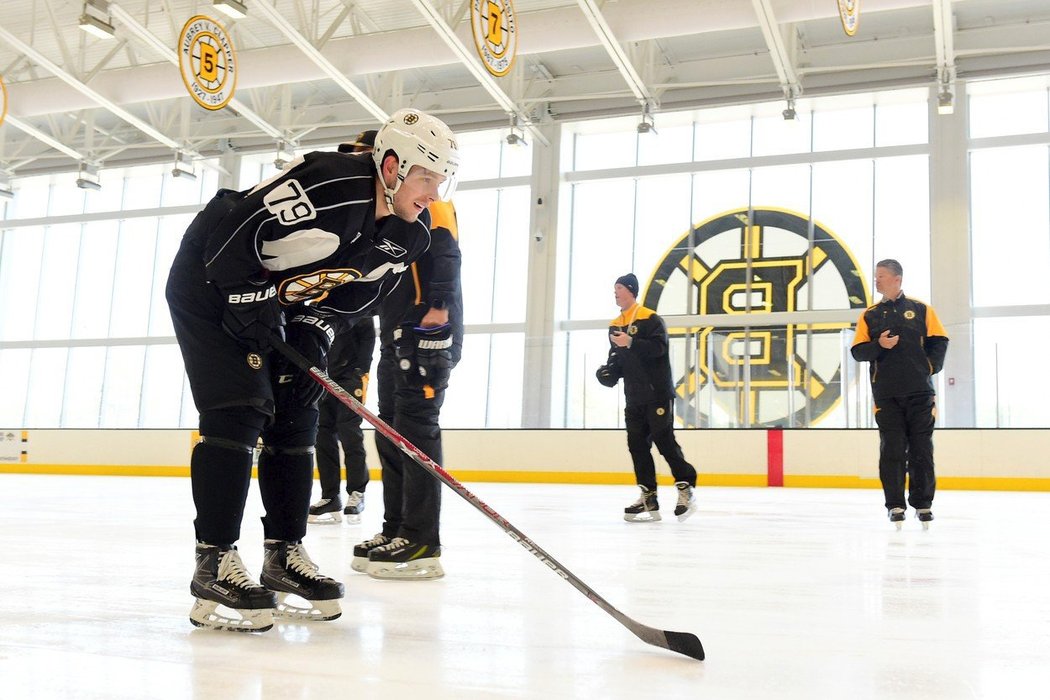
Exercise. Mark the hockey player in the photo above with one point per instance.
(904, 344)
(638, 353)
(421, 334)
(325, 239)
(349, 361)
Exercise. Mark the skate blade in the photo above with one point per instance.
(352, 518)
(685, 516)
(899, 525)
(208, 614)
(360, 565)
(926, 525)
(293, 607)
(420, 570)
(648, 517)
(324, 519)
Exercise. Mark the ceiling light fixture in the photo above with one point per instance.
(231, 8)
(95, 19)
(646, 125)
(183, 169)
(87, 178)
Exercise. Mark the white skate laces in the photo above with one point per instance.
(299, 561)
(231, 569)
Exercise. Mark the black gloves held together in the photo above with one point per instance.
(424, 355)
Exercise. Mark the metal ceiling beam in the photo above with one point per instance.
(944, 41)
(44, 138)
(40, 60)
(311, 52)
(778, 52)
(612, 47)
(445, 31)
(171, 56)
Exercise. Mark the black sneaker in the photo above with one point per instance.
(288, 570)
(221, 579)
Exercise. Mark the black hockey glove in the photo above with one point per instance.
(252, 315)
(312, 335)
(424, 355)
(608, 374)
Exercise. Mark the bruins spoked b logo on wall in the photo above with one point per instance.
(789, 366)
(207, 62)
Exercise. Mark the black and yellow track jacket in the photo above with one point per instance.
(644, 366)
(432, 281)
(909, 367)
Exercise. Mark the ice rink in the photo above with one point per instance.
(795, 593)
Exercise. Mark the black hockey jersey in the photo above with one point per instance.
(311, 231)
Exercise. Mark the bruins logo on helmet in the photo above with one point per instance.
(743, 261)
(255, 361)
(411, 118)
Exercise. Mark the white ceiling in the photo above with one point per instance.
(687, 52)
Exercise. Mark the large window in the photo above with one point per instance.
(788, 225)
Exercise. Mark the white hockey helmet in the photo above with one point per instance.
(419, 139)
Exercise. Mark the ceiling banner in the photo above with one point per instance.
(207, 62)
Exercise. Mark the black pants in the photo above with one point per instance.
(650, 423)
(411, 496)
(906, 448)
(339, 425)
(233, 390)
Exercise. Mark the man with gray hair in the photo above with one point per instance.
(904, 344)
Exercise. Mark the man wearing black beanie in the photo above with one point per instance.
(638, 354)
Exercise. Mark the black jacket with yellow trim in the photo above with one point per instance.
(909, 367)
(644, 366)
(433, 281)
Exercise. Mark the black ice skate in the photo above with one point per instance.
(686, 505)
(896, 516)
(402, 560)
(326, 511)
(925, 516)
(220, 579)
(288, 570)
(355, 505)
(360, 562)
(645, 510)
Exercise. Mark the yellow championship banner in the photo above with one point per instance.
(207, 62)
(3, 100)
(495, 33)
(849, 13)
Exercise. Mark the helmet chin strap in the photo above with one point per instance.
(388, 193)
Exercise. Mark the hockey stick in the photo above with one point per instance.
(681, 642)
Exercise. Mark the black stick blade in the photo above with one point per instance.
(685, 643)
